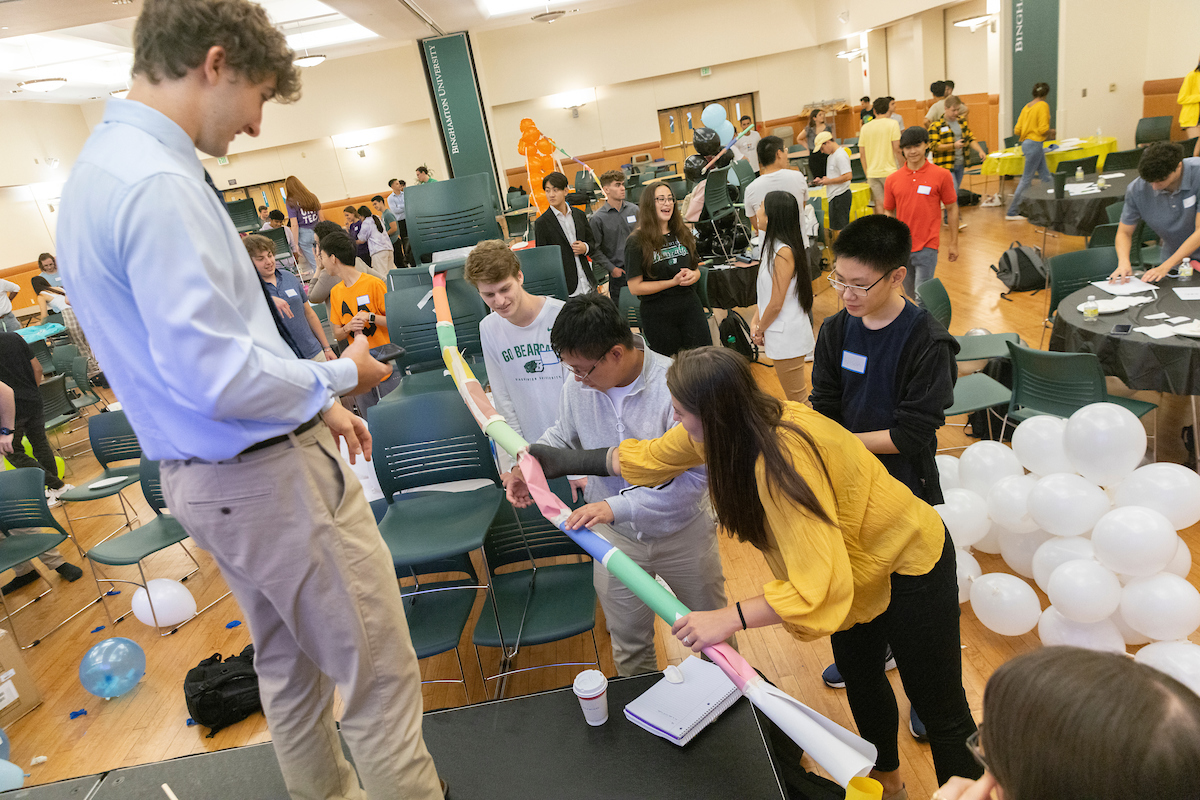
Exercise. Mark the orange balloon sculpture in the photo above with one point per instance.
(539, 161)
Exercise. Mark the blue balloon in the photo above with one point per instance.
(112, 668)
(713, 115)
(11, 776)
(726, 131)
(4, 745)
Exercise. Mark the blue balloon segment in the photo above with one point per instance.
(592, 543)
(80, 713)
(233, 624)
(11, 776)
(113, 667)
(4, 745)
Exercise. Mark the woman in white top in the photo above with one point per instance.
(374, 235)
(52, 300)
(782, 324)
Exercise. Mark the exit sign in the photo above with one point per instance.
(223, 160)
(705, 72)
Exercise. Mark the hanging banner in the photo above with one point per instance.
(450, 73)
(1034, 51)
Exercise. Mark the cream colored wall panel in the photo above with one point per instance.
(25, 231)
(966, 59)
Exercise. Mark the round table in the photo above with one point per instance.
(1073, 215)
(1169, 365)
(1011, 162)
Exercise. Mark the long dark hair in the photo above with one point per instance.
(783, 226)
(40, 284)
(1068, 722)
(365, 212)
(298, 195)
(742, 422)
(651, 239)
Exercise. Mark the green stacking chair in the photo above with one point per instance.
(41, 351)
(1010, 141)
(1069, 167)
(971, 348)
(630, 306)
(1145, 253)
(87, 396)
(1104, 235)
(244, 215)
(518, 223)
(744, 173)
(1152, 129)
(64, 357)
(57, 339)
(114, 444)
(23, 505)
(543, 271)
(1114, 210)
(1070, 272)
(411, 277)
(448, 214)
(413, 326)
(857, 174)
(977, 392)
(702, 289)
(719, 206)
(1121, 160)
(536, 604)
(143, 541)
(1059, 384)
(58, 411)
(437, 615)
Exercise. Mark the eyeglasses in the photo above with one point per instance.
(976, 748)
(670, 201)
(845, 288)
(583, 376)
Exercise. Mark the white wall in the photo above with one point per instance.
(30, 133)
(966, 52)
(904, 82)
(1175, 50)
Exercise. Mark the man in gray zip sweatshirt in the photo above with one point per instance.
(620, 392)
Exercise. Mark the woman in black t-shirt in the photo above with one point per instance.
(661, 262)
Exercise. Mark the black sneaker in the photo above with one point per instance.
(69, 572)
(21, 580)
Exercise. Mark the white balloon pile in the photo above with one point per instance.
(1094, 531)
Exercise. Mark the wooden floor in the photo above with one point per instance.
(149, 723)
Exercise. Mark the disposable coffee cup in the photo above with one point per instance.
(1060, 185)
(591, 687)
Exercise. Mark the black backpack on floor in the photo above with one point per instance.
(735, 334)
(220, 693)
(1021, 269)
(968, 198)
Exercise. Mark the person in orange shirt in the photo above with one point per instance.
(356, 305)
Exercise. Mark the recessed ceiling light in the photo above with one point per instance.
(42, 84)
(548, 16)
(308, 61)
(121, 93)
(122, 2)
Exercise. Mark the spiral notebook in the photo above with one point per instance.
(678, 711)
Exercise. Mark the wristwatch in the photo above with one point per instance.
(371, 319)
(7, 431)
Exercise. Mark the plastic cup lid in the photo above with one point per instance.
(590, 682)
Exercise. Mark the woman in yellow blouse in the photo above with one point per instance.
(1189, 106)
(855, 555)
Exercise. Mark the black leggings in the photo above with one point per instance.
(921, 623)
(674, 323)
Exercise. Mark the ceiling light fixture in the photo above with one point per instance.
(42, 84)
(308, 61)
(975, 23)
(121, 93)
(850, 55)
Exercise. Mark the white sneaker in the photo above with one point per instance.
(1013, 217)
(52, 499)
(59, 492)
(962, 225)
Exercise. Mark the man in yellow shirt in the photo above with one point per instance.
(356, 306)
(1032, 129)
(879, 149)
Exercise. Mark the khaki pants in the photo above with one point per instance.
(297, 543)
(689, 560)
(383, 261)
(793, 377)
(876, 185)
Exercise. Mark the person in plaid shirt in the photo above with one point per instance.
(948, 135)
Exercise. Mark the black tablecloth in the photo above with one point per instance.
(1159, 365)
(733, 288)
(1074, 216)
(73, 789)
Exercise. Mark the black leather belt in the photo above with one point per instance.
(274, 440)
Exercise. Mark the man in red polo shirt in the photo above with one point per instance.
(914, 194)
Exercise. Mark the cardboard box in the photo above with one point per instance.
(18, 695)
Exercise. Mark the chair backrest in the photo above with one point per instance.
(55, 401)
(152, 485)
(412, 277)
(244, 215)
(679, 189)
(973, 159)
(23, 500)
(1152, 129)
(1114, 211)
(517, 200)
(42, 351)
(64, 356)
(744, 172)
(933, 296)
(414, 327)
(1123, 159)
(702, 287)
(857, 175)
(1009, 141)
(1055, 383)
(1088, 164)
(1070, 272)
(428, 438)
(1189, 146)
(630, 306)
(448, 214)
(1104, 235)
(112, 438)
(79, 371)
(716, 195)
(54, 318)
(521, 535)
(542, 267)
(278, 237)
(634, 192)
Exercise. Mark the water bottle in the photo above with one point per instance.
(1091, 311)
(1079, 173)
(1185, 268)
(1101, 183)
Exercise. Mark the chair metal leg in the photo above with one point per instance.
(37, 641)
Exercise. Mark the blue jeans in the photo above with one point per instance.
(307, 245)
(957, 172)
(1035, 164)
(921, 266)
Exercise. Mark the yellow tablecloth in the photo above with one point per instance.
(1015, 164)
(860, 199)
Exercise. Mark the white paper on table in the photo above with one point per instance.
(1141, 300)
(1157, 316)
(1187, 292)
(1108, 175)
(1177, 320)
(1132, 286)
(1157, 331)
(1074, 189)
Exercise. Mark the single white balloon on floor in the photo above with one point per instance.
(1096, 532)
(173, 603)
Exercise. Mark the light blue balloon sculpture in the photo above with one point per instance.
(4, 745)
(713, 115)
(112, 668)
(11, 776)
(726, 131)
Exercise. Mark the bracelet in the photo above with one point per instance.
(741, 615)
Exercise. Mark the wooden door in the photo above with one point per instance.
(672, 125)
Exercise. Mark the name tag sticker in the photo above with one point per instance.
(364, 299)
(945, 130)
(548, 358)
(854, 362)
(923, 189)
(1188, 202)
(632, 218)
(290, 292)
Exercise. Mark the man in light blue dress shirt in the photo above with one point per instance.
(174, 308)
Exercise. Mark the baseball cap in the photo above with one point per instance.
(822, 138)
(914, 135)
